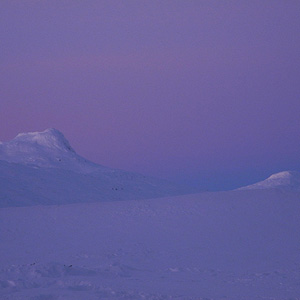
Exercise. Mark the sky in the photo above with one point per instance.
(200, 92)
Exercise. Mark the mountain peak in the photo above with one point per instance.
(50, 138)
(48, 148)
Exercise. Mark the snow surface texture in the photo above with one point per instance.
(42, 168)
(287, 180)
(240, 245)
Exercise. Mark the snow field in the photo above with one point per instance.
(233, 245)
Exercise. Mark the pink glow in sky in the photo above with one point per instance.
(202, 92)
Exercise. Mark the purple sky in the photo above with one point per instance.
(205, 92)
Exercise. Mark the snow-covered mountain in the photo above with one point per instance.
(286, 180)
(42, 168)
(48, 149)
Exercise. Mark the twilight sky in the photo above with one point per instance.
(198, 91)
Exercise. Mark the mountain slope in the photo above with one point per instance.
(42, 168)
(287, 180)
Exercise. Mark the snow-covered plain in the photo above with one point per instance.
(226, 245)
(87, 244)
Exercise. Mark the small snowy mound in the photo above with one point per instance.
(44, 149)
(287, 180)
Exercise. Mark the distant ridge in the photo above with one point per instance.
(286, 180)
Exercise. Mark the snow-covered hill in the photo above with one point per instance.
(47, 149)
(287, 180)
(42, 168)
